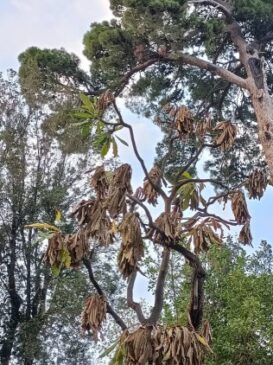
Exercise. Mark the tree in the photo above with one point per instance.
(162, 41)
(36, 179)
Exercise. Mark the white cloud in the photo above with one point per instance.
(47, 23)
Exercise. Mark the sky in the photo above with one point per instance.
(62, 23)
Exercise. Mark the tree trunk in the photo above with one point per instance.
(264, 113)
(257, 87)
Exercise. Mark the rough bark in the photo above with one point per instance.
(257, 87)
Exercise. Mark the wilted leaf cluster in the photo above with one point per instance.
(149, 185)
(204, 234)
(164, 345)
(256, 184)
(94, 314)
(132, 248)
(66, 250)
(226, 133)
(239, 207)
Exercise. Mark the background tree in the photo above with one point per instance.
(36, 180)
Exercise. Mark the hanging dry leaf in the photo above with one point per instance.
(78, 246)
(204, 234)
(239, 207)
(132, 248)
(66, 250)
(138, 346)
(94, 314)
(100, 225)
(226, 136)
(100, 183)
(168, 228)
(120, 185)
(184, 122)
(83, 212)
(245, 236)
(53, 254)
(256, 184)
(203, 126)
(159, 345)
(148, 188)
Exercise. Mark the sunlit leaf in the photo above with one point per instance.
(43, 226)
(58, 216)
(115, 147)
(122, 141)
(65, 258)
(105, 148)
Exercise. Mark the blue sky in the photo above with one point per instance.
(62, 23)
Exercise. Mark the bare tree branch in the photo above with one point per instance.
(130, 298)
(225, 74)
(160, 285)
(140, 159)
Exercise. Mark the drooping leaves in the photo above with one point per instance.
(149, 191)
(132, 249)
(94, 314)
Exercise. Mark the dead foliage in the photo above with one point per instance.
(94, 314)
(66, 249)
(226, 133)
(256, 184)
(132, 248)
(149, 191)
(120, 185)
(167, 228)
(239, 207)
(99, 182)
(245, 236)
(83, 212)
(77, 246)
(203, 126)
(160, 345)
(104, 100)
(206, 332)
(53, 254)
(138, 346)
(100, 225)
(204, 234)
(92, 216)
(184, 122)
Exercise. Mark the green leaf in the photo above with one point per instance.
(56, 270)
(108, 350)
(82, 115)
(115, 147)
(65, 258)
(41, 236)
(187, 175)
(105, 148)
(80, 124)
(118, 358)
(58, 216)
(87, 103)
(85, 130)
(122, 141)
(42, 226)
